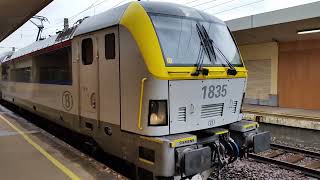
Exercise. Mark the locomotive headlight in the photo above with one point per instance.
(158, 113)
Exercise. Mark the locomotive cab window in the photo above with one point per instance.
(110, 50)
(180, 41)
(87, 51)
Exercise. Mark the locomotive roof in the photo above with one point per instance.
(5, 56)
(34, 47)
(113, 16)
(38, 45)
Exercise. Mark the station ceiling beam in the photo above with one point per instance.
(14, 13)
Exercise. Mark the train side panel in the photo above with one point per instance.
(28, 86)
(138, 86)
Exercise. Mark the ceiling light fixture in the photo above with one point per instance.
(309, 31)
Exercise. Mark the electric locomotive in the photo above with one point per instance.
(158, 85)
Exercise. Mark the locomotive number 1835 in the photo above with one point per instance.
(214, 91)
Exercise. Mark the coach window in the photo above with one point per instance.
(110, 50)
(87, 51)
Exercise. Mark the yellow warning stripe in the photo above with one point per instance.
(247, 126)
(152, 139)
(182, 140)
(54, 161)
(221, 132)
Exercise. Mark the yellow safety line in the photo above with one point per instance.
(64, 169)
(141, 100)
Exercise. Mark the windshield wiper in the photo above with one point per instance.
(204, 47)
(232, 70)
(199, 63)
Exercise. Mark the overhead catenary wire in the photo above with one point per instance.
(57, 25)
(190, 2)
(207, 2)
(88, 8)
(248, 4)
(119, 3)
(217, 5)
(93, 5)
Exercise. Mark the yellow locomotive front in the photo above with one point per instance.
(158, 85)
(191, 87)
(195, 55)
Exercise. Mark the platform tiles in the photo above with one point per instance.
(28, 152)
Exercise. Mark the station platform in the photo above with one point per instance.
(28, 152)
(301, 118)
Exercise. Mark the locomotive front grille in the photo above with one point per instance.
(234, 106)
(182, 114)
(211, 110)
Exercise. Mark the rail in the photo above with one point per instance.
(291, 162)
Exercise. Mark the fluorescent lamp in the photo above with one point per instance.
(309, 31)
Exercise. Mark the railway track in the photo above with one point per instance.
(308, 162)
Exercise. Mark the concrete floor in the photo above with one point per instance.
(290, 112)
(35, 154)
(300, 118)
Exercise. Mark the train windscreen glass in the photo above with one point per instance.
(180, 41)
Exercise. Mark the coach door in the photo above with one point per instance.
(89, 92)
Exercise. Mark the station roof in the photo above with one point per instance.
(14, 13)
(280, 25)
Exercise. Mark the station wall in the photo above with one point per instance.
(261, 61)
(283, 74)
(299, 76)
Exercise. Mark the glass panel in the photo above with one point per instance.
(4, 72)
(54, 67)
(87, 51)
(180, 41)
(21, 74)
(110, 51)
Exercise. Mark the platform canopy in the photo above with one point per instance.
(14, 13)
(279, 26)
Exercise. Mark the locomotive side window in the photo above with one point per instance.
(21, 74)
(110, 50)
(4, 72)
(54, 67)
(87, 51)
